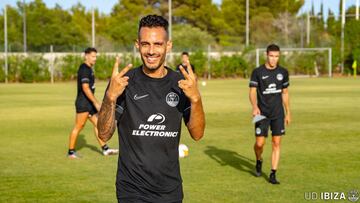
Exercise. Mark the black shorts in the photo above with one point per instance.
(135, 200)
(85, 106)
(277, 127)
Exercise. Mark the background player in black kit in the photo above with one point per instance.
(150, 101)
(184, 59)
(86, 104)
(269, 96)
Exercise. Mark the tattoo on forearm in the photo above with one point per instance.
(106, 121)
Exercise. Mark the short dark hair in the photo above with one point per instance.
(154, 21)
(89, 50)
(272, 47)
(185, 53)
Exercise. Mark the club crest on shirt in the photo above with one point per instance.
(172, 99)
(279, 77)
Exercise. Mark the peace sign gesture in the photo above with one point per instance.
(189, 84)
(118, 80)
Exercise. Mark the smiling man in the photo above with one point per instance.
(149, 103)
(269, 96)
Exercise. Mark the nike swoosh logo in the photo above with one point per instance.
(136, 97)
(264, 77)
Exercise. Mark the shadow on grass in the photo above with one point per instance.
(231, 158)
(81, 143)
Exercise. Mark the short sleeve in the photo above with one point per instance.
(178, 68)
(84, 75)
(120, 105)
(193, 67)
(286, 82)
(187, 110)
(254, 82)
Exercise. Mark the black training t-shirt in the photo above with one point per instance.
(85, 74)
(178, 67)
(149, 115)
(269, 85)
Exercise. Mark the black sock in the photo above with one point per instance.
(273, 171)
(258, 161)
(105, 147)
(71, 151)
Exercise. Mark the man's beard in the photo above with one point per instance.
(153, 68)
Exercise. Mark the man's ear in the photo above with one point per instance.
(137, 45)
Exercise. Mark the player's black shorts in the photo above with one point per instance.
(85, 106)
(277, 127)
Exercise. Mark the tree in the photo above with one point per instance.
(290, 6)
(14, 25)
(233, 12)
(287, 26)
(184, 37)
(51, 27)
(262, 29)
(133, 10)
(333, 26)
(352, 33)
(201, 13)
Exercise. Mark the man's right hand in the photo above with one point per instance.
(118, 81)
(256, 111)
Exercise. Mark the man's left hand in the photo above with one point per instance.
(189, 84)
(287, 119)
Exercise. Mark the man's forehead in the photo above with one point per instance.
(153, 32)
(274, 53)
(92, 53)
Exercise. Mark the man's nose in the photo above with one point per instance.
(151, 49)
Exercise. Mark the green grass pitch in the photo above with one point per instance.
(320, 152)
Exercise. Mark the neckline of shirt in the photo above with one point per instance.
(155, 79)
(270, 69)
(87, 65)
